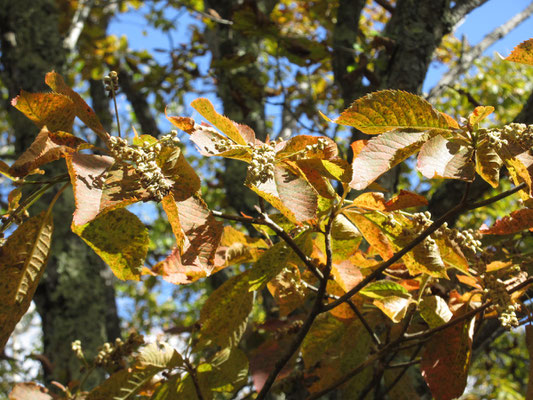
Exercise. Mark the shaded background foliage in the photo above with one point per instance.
(272, 65)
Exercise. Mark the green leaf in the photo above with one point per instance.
(224, 315)
(52, 110)
(446, 359)
(124, 384)
(160, 355)
(120, 239)
(383, 153)
(435, 311)
(440, 158)
(383, 288)
(228, 373)
(388, 110)
(22, 262)
(275, 259)
(523, 53)
(331, 349)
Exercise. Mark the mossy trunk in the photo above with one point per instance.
(75, 298)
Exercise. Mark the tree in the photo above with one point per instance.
(337, 267)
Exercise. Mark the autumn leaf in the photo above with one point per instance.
(376, 201)
(479, 114)
(515, 222)
(446, 359)
(435, 311)
(47, 146)
(52, 110)
(224, 315)
(23, 260)
(488, 163)
(523, 53)
(384, 288)
(383, 153)
(120, 239)
(329, 352)
(287, 289)
(202, 234)
(440, 158)
(273, 260)
(79, 106)
(29, 391)
(389, 110)
(100, 185)
(289, 193)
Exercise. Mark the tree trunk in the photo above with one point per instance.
(75, 298)
(241, 87)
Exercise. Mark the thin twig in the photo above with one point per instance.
(315, 311)
(194, 377)
(453, 74)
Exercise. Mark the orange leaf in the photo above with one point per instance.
(523, 53)
(51, 109)
(479, 114)
(81, 109)
(515, 222)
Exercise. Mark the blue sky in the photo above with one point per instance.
(477, 24)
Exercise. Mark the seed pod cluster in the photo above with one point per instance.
(495, 289)
(111, 83)
(112, 356)
(143, 159)
(467, 239)
(261, 168)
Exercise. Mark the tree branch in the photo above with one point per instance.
(462, 8)
(468, 58)
(78, 23)
(315, 311)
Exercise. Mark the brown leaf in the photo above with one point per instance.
(29, 391)
(47, 147)
(202, 236)
(22, 262)
(446, 359)
(383, 153)
(100, 186)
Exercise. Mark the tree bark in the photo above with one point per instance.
(241, 87)
(75, 298)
